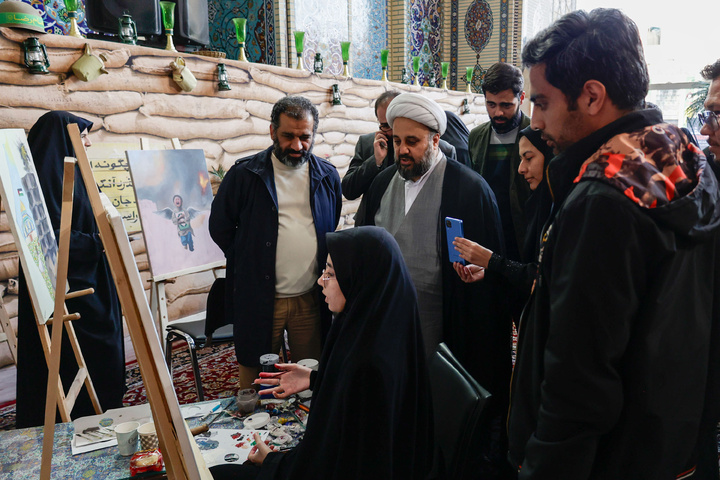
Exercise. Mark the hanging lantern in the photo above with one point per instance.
(36, 58)
(127, 30)
(318, 63)
(336, 100)
(222, 77)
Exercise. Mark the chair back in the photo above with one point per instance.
(458, 403)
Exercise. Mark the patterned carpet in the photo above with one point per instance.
(218, 369)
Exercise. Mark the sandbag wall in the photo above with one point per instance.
(139, 99)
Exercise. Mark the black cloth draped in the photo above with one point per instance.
(99, 330)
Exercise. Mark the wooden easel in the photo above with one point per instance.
(7, 334)
(55, 391)
(174, 437)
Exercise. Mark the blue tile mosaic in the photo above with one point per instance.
(260, 29)
(369, 36)
(425, 38)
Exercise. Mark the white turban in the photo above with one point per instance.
(418, 108)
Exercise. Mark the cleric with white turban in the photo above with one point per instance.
(419, 108)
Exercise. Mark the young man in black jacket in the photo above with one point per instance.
(616, 374)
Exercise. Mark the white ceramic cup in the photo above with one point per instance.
(127, 437)
(310, 363)
(148, 436)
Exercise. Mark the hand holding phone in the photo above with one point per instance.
(453, 228)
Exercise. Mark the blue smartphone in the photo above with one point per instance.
(453, 228)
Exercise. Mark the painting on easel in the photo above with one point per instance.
(29, 219)
(173, 193)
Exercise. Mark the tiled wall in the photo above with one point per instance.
(260, 29)
(55, 16)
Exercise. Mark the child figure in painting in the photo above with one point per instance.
(181, 218)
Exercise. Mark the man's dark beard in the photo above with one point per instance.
(507, 126)
(418, 169)
(284, 155)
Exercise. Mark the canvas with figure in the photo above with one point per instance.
(29, 220)
(173, 193)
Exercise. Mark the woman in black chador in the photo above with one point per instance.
(99, 330)
(371, 415)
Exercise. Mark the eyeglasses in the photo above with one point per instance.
(385, 127)
(709, 118)
(325, 276)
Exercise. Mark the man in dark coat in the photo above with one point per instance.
(617, 368)
(411, 201)
(270, 217)
(711, 117)
(495, 154)
(374, 151)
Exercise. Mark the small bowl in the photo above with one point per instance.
(246, 400)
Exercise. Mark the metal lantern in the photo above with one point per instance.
(432, 82)
(222, 77)
(465, 106)
(405, 77)
(318, 63)
(36, 58)
(127, 30)
(336, 100)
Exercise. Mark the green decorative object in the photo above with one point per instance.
(445, 66)
(416, 69)
(345, 51)
(468, 78)
(299, 47)
(384, 63)
(240, 24)
(336, 99)
(71, 6)
(168, 18)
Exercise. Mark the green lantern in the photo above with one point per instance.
(36, 58)
(127, 30)
(168, 18)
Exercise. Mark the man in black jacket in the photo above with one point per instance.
(617, 368)
(711, 117)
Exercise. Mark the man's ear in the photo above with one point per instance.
(436, 140)
(593, 96)
(272, 131)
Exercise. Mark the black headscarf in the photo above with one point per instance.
(371, 408)
(538, 205)
(99, 331)
(456, 134)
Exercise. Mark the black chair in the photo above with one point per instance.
(458, 403)
(200, 330)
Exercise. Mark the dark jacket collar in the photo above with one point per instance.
(565, 166)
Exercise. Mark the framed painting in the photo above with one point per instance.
(173, 195)
(29, 220)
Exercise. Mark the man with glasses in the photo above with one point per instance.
(495, 153)
(709, 118)
(374, 152)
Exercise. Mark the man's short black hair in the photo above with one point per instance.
(712, 71)
(602, 45)
(503, 76)
(296, 107)
(385, 99)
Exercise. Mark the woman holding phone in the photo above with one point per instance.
(535, 154)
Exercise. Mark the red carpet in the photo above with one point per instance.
(218, 370)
